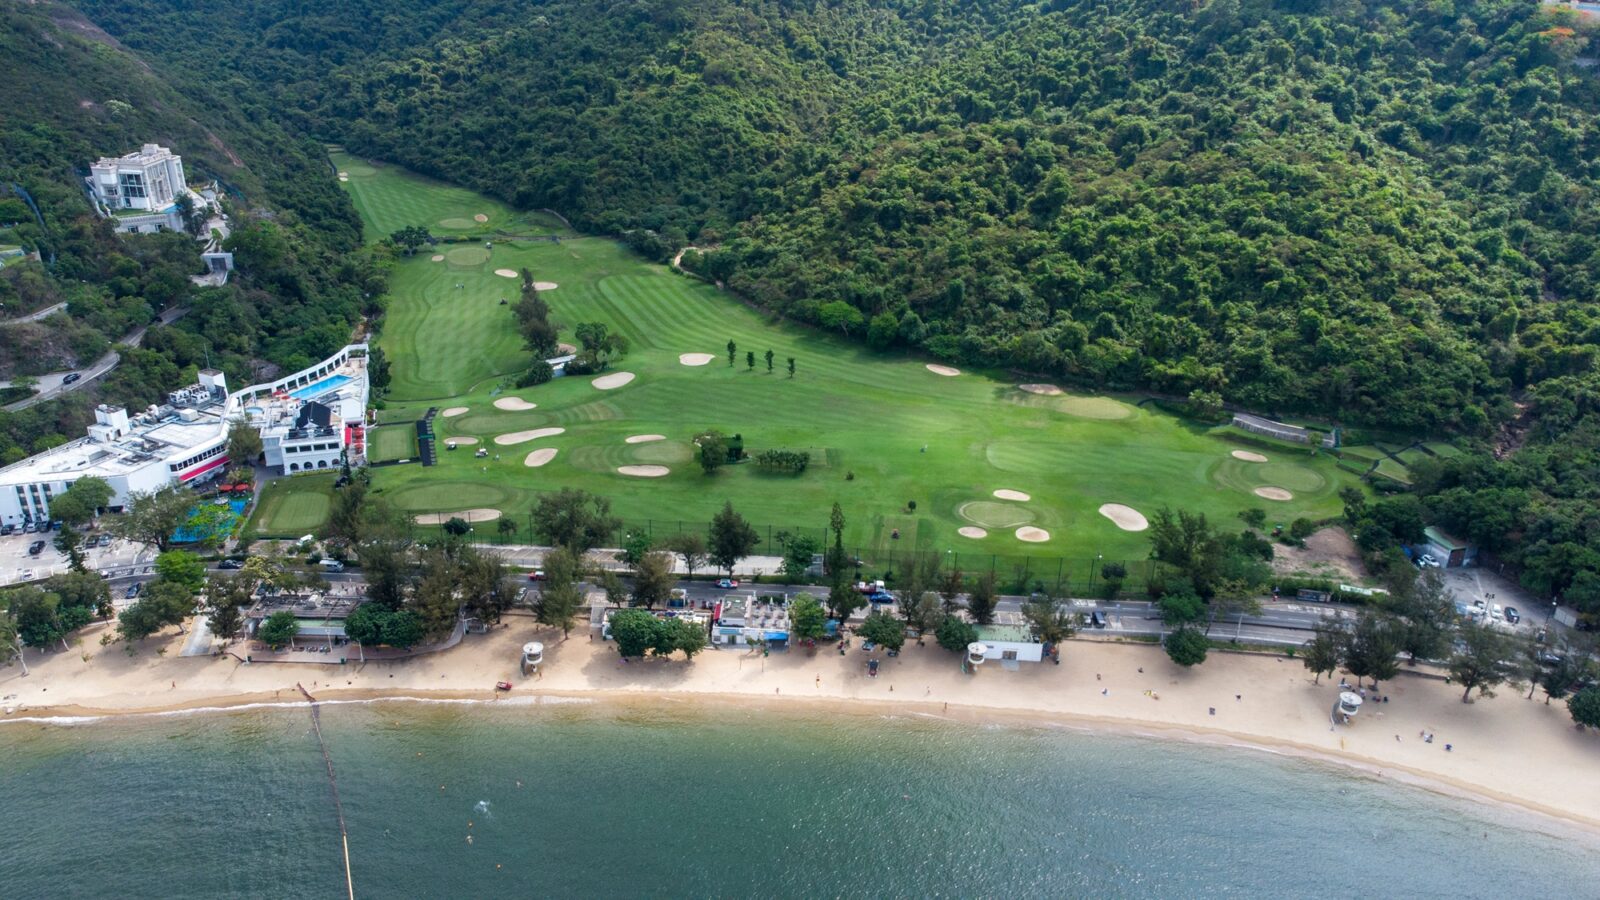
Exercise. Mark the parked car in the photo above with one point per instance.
(25, 575)
(1097, 619)
(7, 529)
(36, 548)
(133, 590)
(1426, 561)
(230, 564)
(332, 565)
(728, 583)
(103, 541)
(71, 378)
(880, 597)
(1512, 615)
(536, 575)
(1494, 612)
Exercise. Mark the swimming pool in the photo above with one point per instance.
(320, 387)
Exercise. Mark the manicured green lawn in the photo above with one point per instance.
(390, 442)
(290, 507)
(883, 429)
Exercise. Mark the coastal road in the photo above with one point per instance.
(1283, 623)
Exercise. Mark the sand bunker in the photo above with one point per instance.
(645, 438)
(1032, 535)
(614, 380)
(545, 285)
(438, 257)
(506, 273)
(644, 471)
(1125, 517)
(972, 531)
(344, 174)
(566, 348)
(513, 404)
(480, 217)
(1273, 493)
(460, 441)
(946, 371)
(1049, 390)
(522, 437)
(474, 516)
(1019, 496)
(454, 411)
(1247, 456)
(343, 177)
(539, 457)
(695, 359)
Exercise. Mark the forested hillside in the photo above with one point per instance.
(1371, 213)
(1378, 213)
(72, 96)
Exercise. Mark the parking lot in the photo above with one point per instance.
(16, 566)
(1474, 584)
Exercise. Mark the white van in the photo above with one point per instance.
(1496, 613)
(332, 565)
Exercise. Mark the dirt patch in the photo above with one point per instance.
(644, 471)
(506, 273)
(545, 285)
(695, 359)
(481, 514)
(946, 371)
(1273, 493)
(480, 217)
(1032, 535)
(454, 411)
(522, 437)
(1247, 456)
(614, 380)
(1328, 551)
(1125, 517)
(513, 404)
(460, 441)
(566, 348)
(539, 457)
(1018, 496)
(645, 438)
(1048, 390)
(972, 531)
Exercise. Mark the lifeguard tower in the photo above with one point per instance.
(1345, 708)
(532, 657)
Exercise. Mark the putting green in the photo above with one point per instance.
(466, 256)
(294, 506)
(664, 452)
(391, 442)
(358, 170)
(1092, 407)
(1246, 476)
(457, 223)
(990, 514)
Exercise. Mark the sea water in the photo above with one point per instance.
(599, 799)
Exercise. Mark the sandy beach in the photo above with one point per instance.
(1505, 748)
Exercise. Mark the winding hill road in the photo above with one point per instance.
(55, 384)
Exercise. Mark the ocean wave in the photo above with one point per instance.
(527, 700)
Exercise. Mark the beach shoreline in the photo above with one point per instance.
(1508, 751)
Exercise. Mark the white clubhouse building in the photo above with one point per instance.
(307, 422)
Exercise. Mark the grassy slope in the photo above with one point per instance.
(873, 414)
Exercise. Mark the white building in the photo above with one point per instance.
(148, 181)
(741, 619)
(306, 420)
